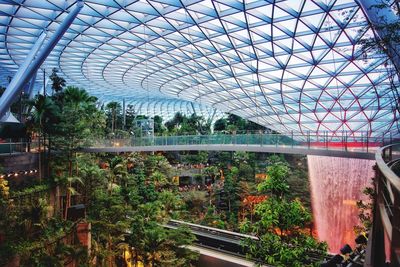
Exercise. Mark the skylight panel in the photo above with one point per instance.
(280, 14)
(288, 24)
(253, 19)
(220, 7)
(309, 44)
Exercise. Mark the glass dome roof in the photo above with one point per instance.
(288, 65)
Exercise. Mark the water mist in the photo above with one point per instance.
(336, 186)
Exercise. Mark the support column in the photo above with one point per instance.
(30, 92)
(31, 87)
(14, 88)
(31, 65)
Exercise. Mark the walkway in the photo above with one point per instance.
(322, 145)
(213, 243)
(224, 245)
(212, 257)
(384, 237)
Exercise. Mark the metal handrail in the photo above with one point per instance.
(17, 147)
(385, 169)
(387, 208)
(327, 142)
(13, 147)
(360, 134)
(14, 143)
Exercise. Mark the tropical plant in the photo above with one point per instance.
(281, 238)
(111, 219)
(231, 187)
(92, 176)
(58, 82)
(213, 218)
(171, 203)
(365, 208)
(159, 179)
(195, 200)
(276, 182)
(155, 245)
(69, 183)
(44, 115)
(159, 128)
(113, 109)
(220, 124)
(193, 124)
(158, 163)
(78, 123)
(212, 172)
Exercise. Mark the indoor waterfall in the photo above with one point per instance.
(336, 186)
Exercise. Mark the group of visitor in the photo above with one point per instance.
(192, 187)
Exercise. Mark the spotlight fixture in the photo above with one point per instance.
(16, 173)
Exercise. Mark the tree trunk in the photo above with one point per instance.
(44, 153)
(76, 165)
(67, 201)
(40, 155)
(58, 204)
(113, 121)
(110, 258)
(68, 193)
(48, 157)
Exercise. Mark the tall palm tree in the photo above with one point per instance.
(114, 108)
(92, 177)
(159, 179)
(77, 109)
(58, 82)
(70, 191)
(117, 174)
(43, 111)
(78, 97)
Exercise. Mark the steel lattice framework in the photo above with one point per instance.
(289, 65)
(152, 106)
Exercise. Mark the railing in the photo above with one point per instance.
(385, 244)
(14, 147)
(344, 141)
(8, 148)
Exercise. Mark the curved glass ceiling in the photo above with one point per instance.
(153, 106)
(288, 65)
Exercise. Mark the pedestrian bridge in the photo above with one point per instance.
(344, 145)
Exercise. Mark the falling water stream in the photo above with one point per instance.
(336, 185)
